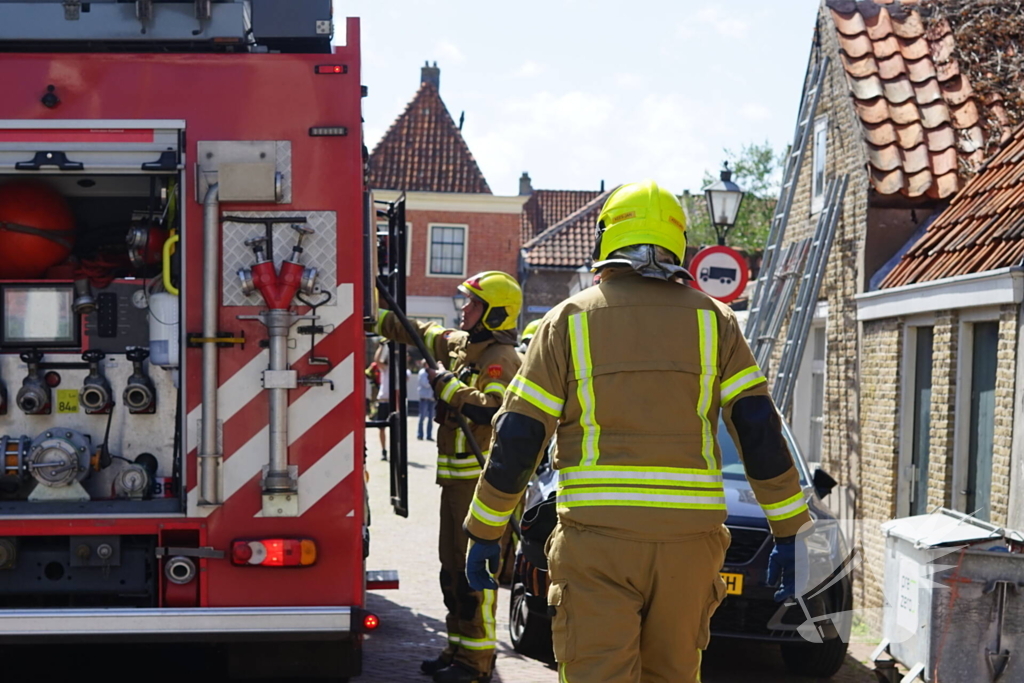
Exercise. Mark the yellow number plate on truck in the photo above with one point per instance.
(733, 583)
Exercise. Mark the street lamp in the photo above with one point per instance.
(459, 300)
(582, 279)
(724, 199)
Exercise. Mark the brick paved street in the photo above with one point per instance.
(412, 626)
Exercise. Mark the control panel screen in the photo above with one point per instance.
(38, 316)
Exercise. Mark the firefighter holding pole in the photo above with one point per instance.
(475, 365)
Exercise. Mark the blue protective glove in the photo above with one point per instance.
(782, 568)
(482, 563)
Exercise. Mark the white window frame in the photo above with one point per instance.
(818, 188)
(465, 249)
(964, 381)
(905, 455)
(804, 393)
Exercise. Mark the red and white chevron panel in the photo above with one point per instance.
(245, 457)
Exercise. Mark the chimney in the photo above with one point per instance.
(525, 188)
(602, 186)
(431, 74)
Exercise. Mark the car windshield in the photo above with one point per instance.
(732, 468)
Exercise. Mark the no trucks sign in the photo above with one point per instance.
(720, 272)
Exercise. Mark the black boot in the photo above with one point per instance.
(460, 673)
(432, 666)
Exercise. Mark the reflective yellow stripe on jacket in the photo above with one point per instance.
(454, 467)
(533, 394)
(785, 509)
(634, 486)
(579, 341)
(707, 326)
(740, 382)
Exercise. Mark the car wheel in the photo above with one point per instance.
(821, 660)
(530, 632)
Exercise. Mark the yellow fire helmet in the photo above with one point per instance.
(501, 293)
(530, 330)
(641, 213)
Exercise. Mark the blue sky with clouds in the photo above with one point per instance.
(576, 91)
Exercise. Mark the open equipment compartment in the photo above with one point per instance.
(90, 344)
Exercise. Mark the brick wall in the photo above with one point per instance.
(945, 345)
(881, 355)
(492, 242)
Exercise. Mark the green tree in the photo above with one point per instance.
(756, 168)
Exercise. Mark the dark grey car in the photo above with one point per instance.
(812, 632)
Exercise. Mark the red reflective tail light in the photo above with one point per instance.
(370, 622)
(274, 552)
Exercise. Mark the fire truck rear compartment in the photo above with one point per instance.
(92, 425)
(81, 571)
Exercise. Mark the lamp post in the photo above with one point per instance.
(582, 279)
(724, 199)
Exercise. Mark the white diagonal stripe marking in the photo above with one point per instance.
(325, 474)
(306, 411)
(245, 385)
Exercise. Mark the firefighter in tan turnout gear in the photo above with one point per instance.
(632, 373)
(478, 363)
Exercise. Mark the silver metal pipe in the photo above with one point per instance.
(278, 322)
(210, 456)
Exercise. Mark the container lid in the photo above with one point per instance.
(946, 527)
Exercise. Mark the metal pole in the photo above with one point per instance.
(278, 322)
(210, 456)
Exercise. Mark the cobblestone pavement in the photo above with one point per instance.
(412, 618)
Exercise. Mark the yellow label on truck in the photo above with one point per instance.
(733, 583)
(67, 400)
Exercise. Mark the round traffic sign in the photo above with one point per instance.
(720, 272)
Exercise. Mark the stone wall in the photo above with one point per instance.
(945, 346)
(880, 362)
(1006, 371)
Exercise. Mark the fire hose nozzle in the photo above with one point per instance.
(259, 247)
(84, 302)
(308, 285)
(245, 278)
(302, 231)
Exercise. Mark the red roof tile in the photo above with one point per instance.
(983, 227)
(545, 208)
(569, 243)
(424, 151)
(917, 110)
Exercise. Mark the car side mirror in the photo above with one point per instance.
(823, 483)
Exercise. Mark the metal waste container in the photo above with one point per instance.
(954, 599)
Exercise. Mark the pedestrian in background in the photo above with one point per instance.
(383, 360)
(426, 396)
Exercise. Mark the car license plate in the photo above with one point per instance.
(733, 583)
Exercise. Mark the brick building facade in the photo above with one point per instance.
(455, 226)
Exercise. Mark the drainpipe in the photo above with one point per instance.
(210, 457)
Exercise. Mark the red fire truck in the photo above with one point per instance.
(187, 253)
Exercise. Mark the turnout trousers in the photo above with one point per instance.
(470, 619)
(632, 611)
